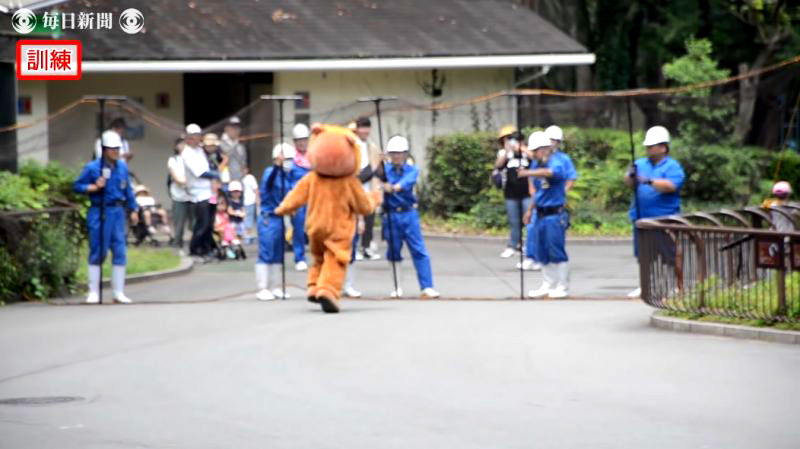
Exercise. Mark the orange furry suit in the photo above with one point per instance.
(335, 199)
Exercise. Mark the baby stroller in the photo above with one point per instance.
(227, 243)
(149, 220)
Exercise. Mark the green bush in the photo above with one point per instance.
(722, 174)
(785, 167)
(462, 164)
(53, 178)
(488, 212)
(16, 193)
(717, 175)
(38, 253)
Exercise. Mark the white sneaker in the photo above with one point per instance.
(508, 252)
(371, 255)
(635, 294)
(558, 293)
(540, 292)
(265, 295)
(359, 256)
(93, 298)
(430, 293)
(279, 293)
(350, 292)
(121, 298)
(529, 265)
(396, 293)
(301, 266)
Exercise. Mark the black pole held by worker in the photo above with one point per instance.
(386, 208)
(515, 96)
(633, 163)
(281, 99)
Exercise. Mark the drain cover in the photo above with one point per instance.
(45, 400)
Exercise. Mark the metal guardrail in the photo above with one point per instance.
(742, 263)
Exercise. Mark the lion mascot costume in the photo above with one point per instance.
(335, 199)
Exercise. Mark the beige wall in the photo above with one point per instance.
(32, 141)
(72, 135)
(329, 90)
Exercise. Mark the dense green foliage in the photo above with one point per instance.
(459, 187)
(38, 251)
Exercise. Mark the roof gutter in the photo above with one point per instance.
(297, 65)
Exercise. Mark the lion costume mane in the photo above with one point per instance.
(335, 199)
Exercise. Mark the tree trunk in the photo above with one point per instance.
(748, 92)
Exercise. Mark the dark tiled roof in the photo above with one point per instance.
(312, 29)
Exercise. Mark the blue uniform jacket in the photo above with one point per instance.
(572, 173)
(275, 185)
(551, 192)
(653, 203)
(118, 186)
(296, 173)
(406, 176)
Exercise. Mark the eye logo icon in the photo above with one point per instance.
(131, 21)
(23, 21)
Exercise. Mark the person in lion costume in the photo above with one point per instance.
(335, 199)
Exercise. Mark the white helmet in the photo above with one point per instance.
(538, 140)
(655, 136)
(111, 139)
(193, 128)
(397, 144)
(300, 131)
(288, 151)
(554, 133)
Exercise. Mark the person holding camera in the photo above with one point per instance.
(107, 182)
(510, 159)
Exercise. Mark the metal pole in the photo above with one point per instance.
(633, 163)
(386, 208)
(515, 98)
(100, 128)
(281, 99)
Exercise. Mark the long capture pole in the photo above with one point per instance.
(100, 128)
(633, 163)
(281, 99)
(515, 98)
(386, 208)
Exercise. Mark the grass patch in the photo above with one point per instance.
(456, 226)
(728, 320)
(140, 260)
(461, 225)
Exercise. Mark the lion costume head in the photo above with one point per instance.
(333, 151)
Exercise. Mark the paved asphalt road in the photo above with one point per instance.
(200, 364)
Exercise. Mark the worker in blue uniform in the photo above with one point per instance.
(107, 182)
(275, 185)
(549, 177)
(300, 167)
(657, 179)
(402, 224)
(556, 136)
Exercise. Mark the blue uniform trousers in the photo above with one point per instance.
(550, 241)
(113, 235)
(405, 228)
(299, 234)
(270, 239)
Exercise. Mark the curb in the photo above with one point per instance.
(185, 267)
(724, 330)
(570, 240)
